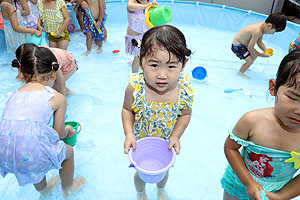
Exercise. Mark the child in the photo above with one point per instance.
(136, 28)
(54, 16)
(245, 40)
(67, 67)
(14, 26)
(98, 11)
(30, 14)
(270, 137)
(158, 102)
(29, 146)
(295, 44)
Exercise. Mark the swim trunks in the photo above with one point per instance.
(240, 51)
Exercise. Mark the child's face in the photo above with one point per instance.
(287, 105)
(161, 70)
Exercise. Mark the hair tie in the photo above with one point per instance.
(55, 66)
(19, 64)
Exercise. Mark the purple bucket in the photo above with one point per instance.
(152, 159)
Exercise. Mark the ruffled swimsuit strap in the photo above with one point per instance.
(186, 92)
(50, 92)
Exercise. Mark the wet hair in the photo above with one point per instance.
(168, 37)
(278, 21)
(36, 63)
(289, 70)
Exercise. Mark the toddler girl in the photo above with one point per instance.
(54, 16)
(29, 146)
(271, 139)
(14, 26)
(158, 101)
(136, 28)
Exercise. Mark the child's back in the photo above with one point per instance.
(25, 130)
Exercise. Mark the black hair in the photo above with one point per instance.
(278, 21)
(289, 70)
(167, 36)
(36, 63)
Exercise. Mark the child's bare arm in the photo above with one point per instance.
(25, 8)
(15, 24)
(133, 6)
(180, 126)
(128, 120)
(39, 25)
(33, 1)
(255, 37)
(261, 44)
(101, 12)
(59, 105)
(242, 130)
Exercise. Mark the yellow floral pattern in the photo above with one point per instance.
(156, 119)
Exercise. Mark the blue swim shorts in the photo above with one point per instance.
(240, 51)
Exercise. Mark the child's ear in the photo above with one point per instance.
(21, 76)
(270, 26)
(272, 84)
(183, 66)
(140, 62)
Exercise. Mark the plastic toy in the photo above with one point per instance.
(116, 51)
(54, 33)
(39, 41)
(88, 11)
(71, 140)
(152, 159)
(269, 52)
(229, 90)
(199, 73)
(156, 16)
(295, 158)
(71, 27)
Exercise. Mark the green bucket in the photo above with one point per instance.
(72, 140)
(160, 15)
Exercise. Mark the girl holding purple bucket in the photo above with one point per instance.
(158, 101)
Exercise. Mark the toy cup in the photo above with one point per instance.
(152, 159)
(269, 52)
(156, 16)
(54, 33)
(73, 138)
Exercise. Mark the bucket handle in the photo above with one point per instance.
(79, 129)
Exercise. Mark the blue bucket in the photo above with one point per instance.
(199, 73)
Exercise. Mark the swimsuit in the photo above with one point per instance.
(266, 166)
(29, 147)
(89, 26)
(294, 45)
(31, 19)
(14, 39)
(158, 119)
(137, 23)
(240, 51)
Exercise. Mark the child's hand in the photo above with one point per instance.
(253, 189)
(84, 5)
(57, 34)
(70, 132)
(38, 33)
(174, 142)
(130, 141)
(152, 3)
(40, 28)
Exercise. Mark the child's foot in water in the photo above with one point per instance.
(243, 75)
(99, 50)
(78, 182)
(86, 53)
(141, 196)
(162, 194)
(50, 185)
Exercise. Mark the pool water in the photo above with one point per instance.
(100, 84)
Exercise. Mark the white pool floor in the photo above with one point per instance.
(99, 85)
